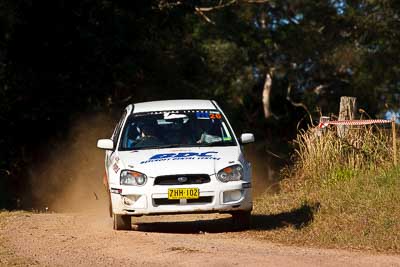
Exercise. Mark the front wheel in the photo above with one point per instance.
(241, 220)
(122, 222)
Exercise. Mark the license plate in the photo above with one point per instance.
(183, 193)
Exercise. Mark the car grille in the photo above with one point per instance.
(177, 179)
(166, 201)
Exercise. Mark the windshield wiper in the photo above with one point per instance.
(164, 146)
(215, 143)
(171, 145)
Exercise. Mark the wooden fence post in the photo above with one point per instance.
(347, 112)
(394, 141)
(321, 130)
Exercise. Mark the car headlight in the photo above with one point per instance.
(129, 177)
(231, 173)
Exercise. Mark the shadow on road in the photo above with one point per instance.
(220, 225)
(297, 218)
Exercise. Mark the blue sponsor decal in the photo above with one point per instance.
(203, 115)
(182, 156)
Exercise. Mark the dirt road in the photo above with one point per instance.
(88, 240)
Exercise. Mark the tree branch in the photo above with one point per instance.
(297, 104)
(202, 10)
(219, 6)
(204, 16)
(232, 2)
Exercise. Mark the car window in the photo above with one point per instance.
(118, 127)
(176, 129)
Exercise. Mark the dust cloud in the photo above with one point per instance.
(265, 179)
(69, 178)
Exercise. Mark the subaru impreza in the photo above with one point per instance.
(176, 157)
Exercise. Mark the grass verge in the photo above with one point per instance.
(340, 194)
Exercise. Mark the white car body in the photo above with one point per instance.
(181, 163)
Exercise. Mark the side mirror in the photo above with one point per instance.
(246, 138)
(106, 144)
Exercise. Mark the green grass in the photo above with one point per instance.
(337, 195)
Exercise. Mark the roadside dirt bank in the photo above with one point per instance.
(82, 239)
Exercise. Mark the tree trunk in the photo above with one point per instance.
(266, 95)
(347, 112)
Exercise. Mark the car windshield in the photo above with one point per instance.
(176, 129)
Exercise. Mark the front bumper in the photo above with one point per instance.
(153, 199)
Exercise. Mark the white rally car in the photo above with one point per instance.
(174, 157)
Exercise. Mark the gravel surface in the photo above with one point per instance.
(77, 239)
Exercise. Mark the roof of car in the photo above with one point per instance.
(181, 104)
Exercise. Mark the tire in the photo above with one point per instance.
(241, 220)
(110, 211)
(105, 183)
(122, 222)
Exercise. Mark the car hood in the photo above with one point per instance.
(156, 162)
